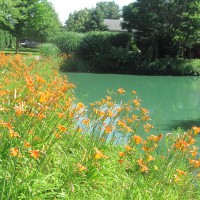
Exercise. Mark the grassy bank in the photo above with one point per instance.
(53, 147)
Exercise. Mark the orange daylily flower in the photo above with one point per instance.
(121, 154)
(80, 105)
(134, 117)
(57, 135)
(108, 129)
(155, 138)
(134, 92)
(195, 163)
(181, 145)
(180, 172)
(40, 79)
(108, 98)
(144, 111)
(176, 178)
(121, 91)
(27, 144)
(121, 123)
(86, 121)
(110, 113)
(128, 148)
(150, 158)
(129, 130)
(136, 102)
(14, 151)
(120, 161)
(41, 116)
(13, 134)
(82, 168)
(98, 154)
(191, 140)
(146, 118)
(144, 168)
(147, 127)
(194, 152)
(62, 128)
(196, 130)
(34, 153)
(137, 139)
(61, 115)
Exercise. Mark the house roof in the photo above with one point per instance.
(114, 25)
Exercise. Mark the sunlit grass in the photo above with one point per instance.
(23, 51)
(53, 147)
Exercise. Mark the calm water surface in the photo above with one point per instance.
(172, 101)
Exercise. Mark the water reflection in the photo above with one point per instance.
(184, 124)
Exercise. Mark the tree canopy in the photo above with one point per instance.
(92, 19)
(162, 25)
(28, 18)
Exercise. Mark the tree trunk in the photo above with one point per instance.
(17, 45)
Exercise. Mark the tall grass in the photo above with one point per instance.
(53, 147)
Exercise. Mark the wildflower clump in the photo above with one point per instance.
(54, 147)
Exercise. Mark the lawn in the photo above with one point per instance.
(24, 51)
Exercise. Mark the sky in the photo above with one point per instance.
(65, 7)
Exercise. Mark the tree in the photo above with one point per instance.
(95, 22)
(110, 10)
(158, 22)
(77, 20)
(44, 24)
(92, 19)
(27, 18)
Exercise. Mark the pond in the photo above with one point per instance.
(173, 101)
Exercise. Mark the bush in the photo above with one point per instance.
(94, 44)
(173, 66)
(121, 40)
(49, 50)
(5, 39)
(67, 42)
(109, 52)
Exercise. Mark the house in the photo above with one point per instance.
(114, 25)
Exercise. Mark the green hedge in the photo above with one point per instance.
(5, 39)
(67, 42)
(107, 52)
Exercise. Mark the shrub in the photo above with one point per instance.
(109, 52)
(121, 40)
(49, 50)
(173, 66)
(67, 42)
(94, 44)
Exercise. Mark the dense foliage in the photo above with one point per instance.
(6, 40)
(105, 52)
(87, 20)
(163, 28)
(67, 42)
(32, 19)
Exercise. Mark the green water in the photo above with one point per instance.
(172, 101)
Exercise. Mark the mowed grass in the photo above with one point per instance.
(54, 147)
(23, 51)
